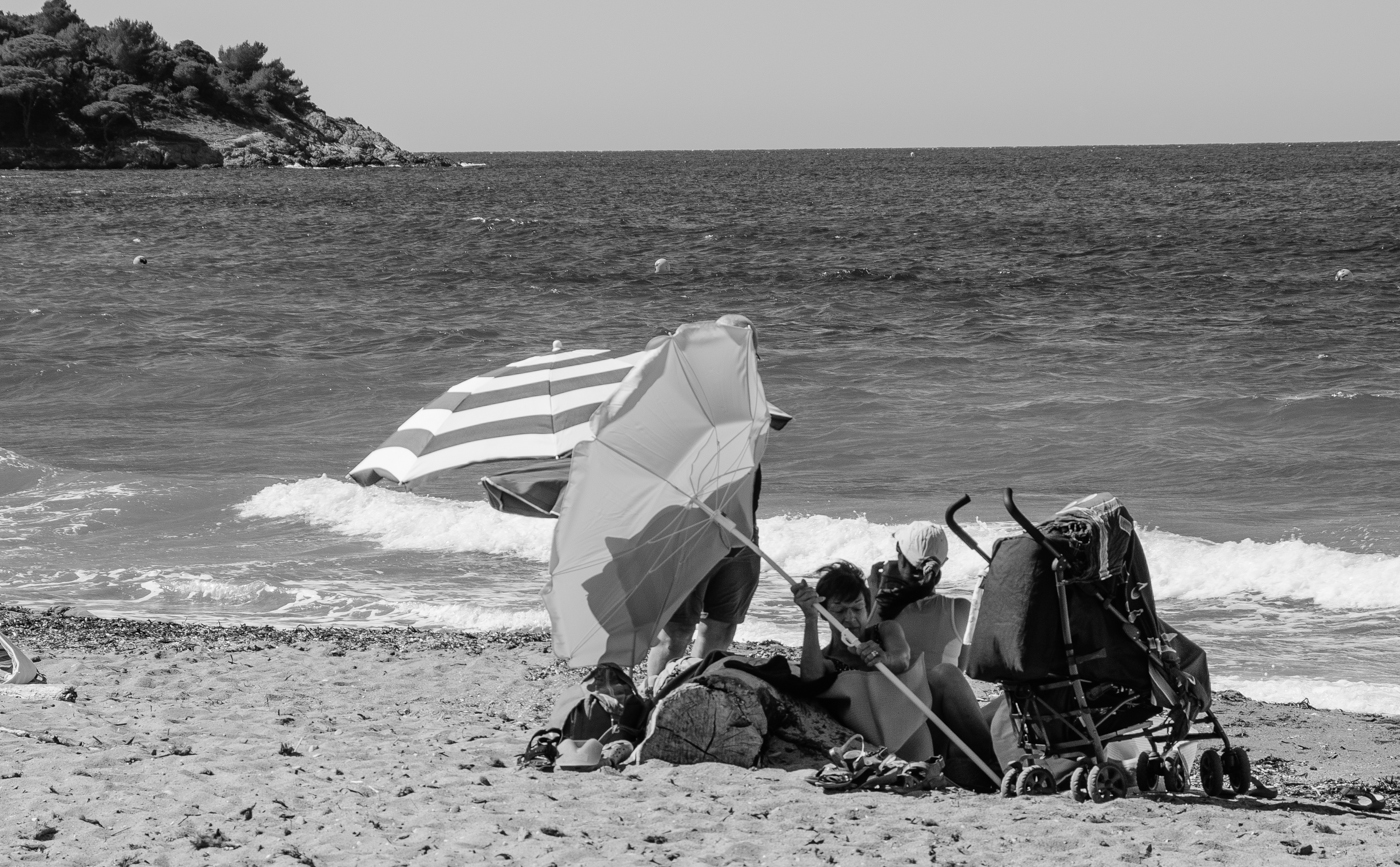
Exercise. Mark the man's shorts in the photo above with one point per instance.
(724, 594)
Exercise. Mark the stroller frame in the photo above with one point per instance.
(1094, 775)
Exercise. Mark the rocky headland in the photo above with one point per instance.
(75, 96)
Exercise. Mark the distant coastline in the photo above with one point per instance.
(75, 96)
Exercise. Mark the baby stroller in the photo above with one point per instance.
(1066, 623)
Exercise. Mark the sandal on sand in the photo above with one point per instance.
(920, 777)
(851, 766)
(837, 779)
(1259, 790)
(854, 754)
(1356, 798)
(540, 752)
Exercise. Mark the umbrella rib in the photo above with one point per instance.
(687, 369)
(648, 471)
(663, 535)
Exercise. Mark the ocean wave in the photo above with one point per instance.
(1183, 567)
(1348, 695)
(470, 618)
(1291, 569)
(204, 587)
(398, 520)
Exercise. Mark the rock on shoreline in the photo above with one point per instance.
(312, 140)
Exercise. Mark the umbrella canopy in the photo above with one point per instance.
(689, 425)
(537, 490)
(532, 490)
(536, 408)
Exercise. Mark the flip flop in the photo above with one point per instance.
(541, 752)
(834, 778)
(1260, 790)
(1355, 798)
(18, 666)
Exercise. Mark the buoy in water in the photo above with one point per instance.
(139, 260)
(557, 347)
(661, 267)
(1343, 274)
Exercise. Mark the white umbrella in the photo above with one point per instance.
(658, 496)
(681, 437)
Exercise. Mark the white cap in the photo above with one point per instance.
(921, 540)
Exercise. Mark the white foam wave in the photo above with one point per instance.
(1349, 695)
(401, 520)
(188, 586)
(470, 618)
(1187, 568)
(1182, 567)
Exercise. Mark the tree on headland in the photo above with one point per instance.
(28, 88)
(54, 17)
(244, 59)
(107, 113)
(63, 81)
(136, 98)
(134, 48)
(33, 50)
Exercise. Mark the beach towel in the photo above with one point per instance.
(866, 702)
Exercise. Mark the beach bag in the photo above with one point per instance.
(605, 705)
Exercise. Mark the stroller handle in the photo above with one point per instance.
(959, 531)
(1031, 529)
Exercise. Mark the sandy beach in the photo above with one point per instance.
(249, 745)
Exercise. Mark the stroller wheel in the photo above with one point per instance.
(1107, 782)
(1008, 782)
(1212, 773)
(1146, 772)
(1236, 764)
(1175, 773)
(1035, 781)
(1079, 784)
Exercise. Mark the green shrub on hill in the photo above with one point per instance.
(63, 81)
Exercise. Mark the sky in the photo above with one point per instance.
(533, 75)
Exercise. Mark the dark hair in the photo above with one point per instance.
(842, 581)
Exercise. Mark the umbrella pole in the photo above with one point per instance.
(851, 641)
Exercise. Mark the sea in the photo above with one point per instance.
(1210, 332)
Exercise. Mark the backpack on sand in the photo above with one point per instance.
(604, 705)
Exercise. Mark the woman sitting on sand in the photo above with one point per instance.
(842, 589)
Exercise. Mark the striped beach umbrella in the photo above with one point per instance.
(532, 409)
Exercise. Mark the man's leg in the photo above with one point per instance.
(675, 636)
(728, 592)
(712, 635)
